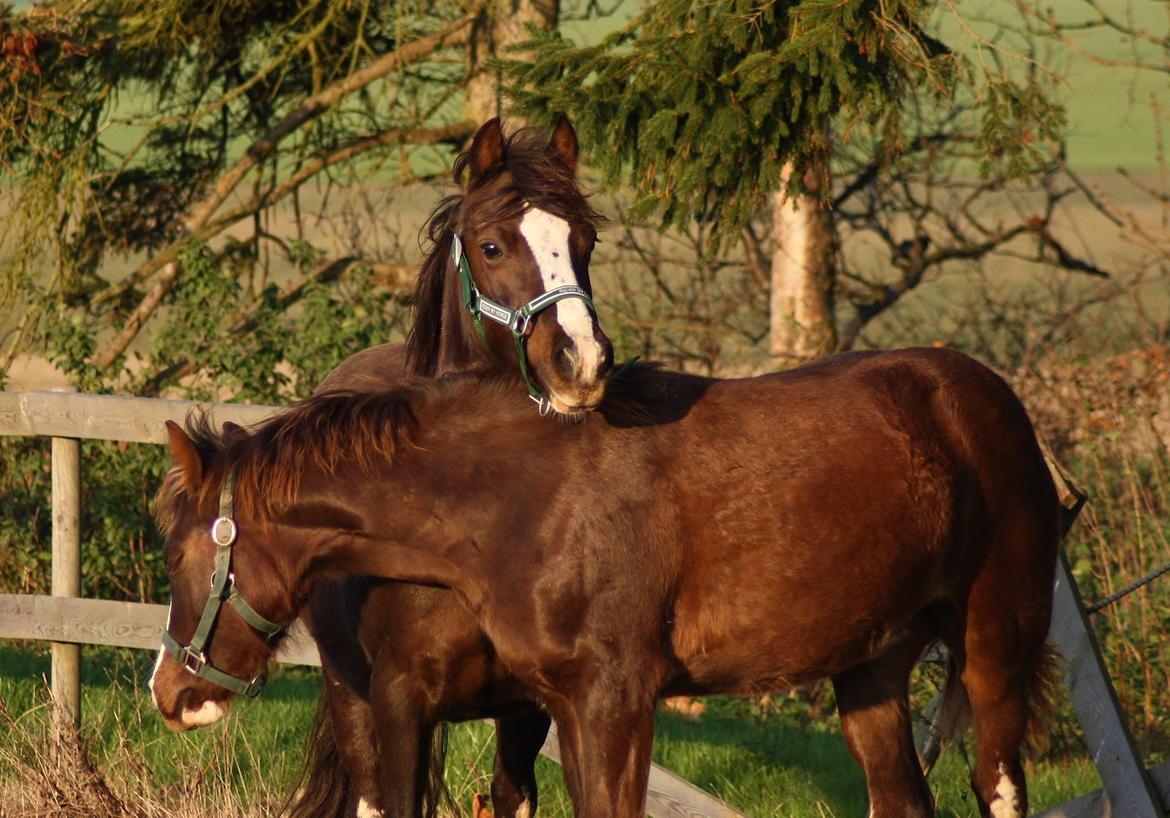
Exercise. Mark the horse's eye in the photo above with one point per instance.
(490, 250)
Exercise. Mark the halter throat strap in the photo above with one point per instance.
(193, 655)
(518, 320)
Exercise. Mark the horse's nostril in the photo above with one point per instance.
(569, 358)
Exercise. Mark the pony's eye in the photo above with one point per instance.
(490, 250)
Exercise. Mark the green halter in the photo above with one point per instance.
(193, 655)
(517, 320)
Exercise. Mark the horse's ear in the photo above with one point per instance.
(233, 430)
(487, 149)
(186, 456)
(564, 143)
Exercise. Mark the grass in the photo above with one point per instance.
(765, 761)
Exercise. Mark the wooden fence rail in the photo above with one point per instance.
(1130, 790)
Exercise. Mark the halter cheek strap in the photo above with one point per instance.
(193, 655)
(518, 320)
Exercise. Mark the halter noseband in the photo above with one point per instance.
(518, 320)
(193, 655)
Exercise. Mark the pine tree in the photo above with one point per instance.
(129, 131)
(708, 109)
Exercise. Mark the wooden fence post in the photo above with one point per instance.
(65, 667)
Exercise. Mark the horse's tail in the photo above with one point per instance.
(953, 715)
(436, 796)
(950, 720)
(1044, 678)
(323, 785)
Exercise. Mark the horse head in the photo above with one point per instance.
(216, 643)
(510, 269)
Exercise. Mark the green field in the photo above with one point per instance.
(763, 761)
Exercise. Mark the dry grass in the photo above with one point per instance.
(51, 771)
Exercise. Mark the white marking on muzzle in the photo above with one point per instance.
(548, 239)
(208, 713)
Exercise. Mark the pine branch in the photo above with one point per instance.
(196, 222)
(455, 133)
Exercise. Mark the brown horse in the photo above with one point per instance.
(381, 733)
(695, 536)
(511, 185)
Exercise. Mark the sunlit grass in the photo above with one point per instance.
(762, 761)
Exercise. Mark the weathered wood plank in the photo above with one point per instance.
(110, 417)
(65, 663)
(668, 795)
(105, 622)
(1107, 737)
(1096, 805)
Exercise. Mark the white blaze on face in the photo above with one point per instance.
(162, 652)
(365, 810)
(1006, 801)
(548, 239)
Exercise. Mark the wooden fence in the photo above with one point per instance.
(68, 621)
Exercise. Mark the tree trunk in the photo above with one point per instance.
(803, 274)
(501, 25)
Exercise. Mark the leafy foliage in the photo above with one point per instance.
(700, 105)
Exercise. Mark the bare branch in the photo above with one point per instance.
(197, 219)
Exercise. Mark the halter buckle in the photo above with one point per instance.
(519, 323)
(193, 661)
(224, 531)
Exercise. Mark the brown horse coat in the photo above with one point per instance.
(714, 536)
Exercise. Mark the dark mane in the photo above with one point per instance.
(537, 179)
(269, 461)
(321, 430)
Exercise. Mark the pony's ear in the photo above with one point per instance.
(487, 149)
(233, 430)
(564, 143)
(186, 457)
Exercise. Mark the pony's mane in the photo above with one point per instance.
(369, 428)
(538, 179)
(268, 461)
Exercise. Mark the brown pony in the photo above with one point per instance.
(695, 536)
(351, 770)
(369, 747)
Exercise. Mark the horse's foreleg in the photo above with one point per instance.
(873, 702)
(404, 735)
(518, 742)
(606, 739)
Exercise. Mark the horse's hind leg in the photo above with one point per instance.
(518, 742)
(353, 728)
(405, 732)
(1008, 613)
(873, 702)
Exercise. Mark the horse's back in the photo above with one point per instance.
(375, 369)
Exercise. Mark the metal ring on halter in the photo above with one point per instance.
(520, 322)
(228, 536)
